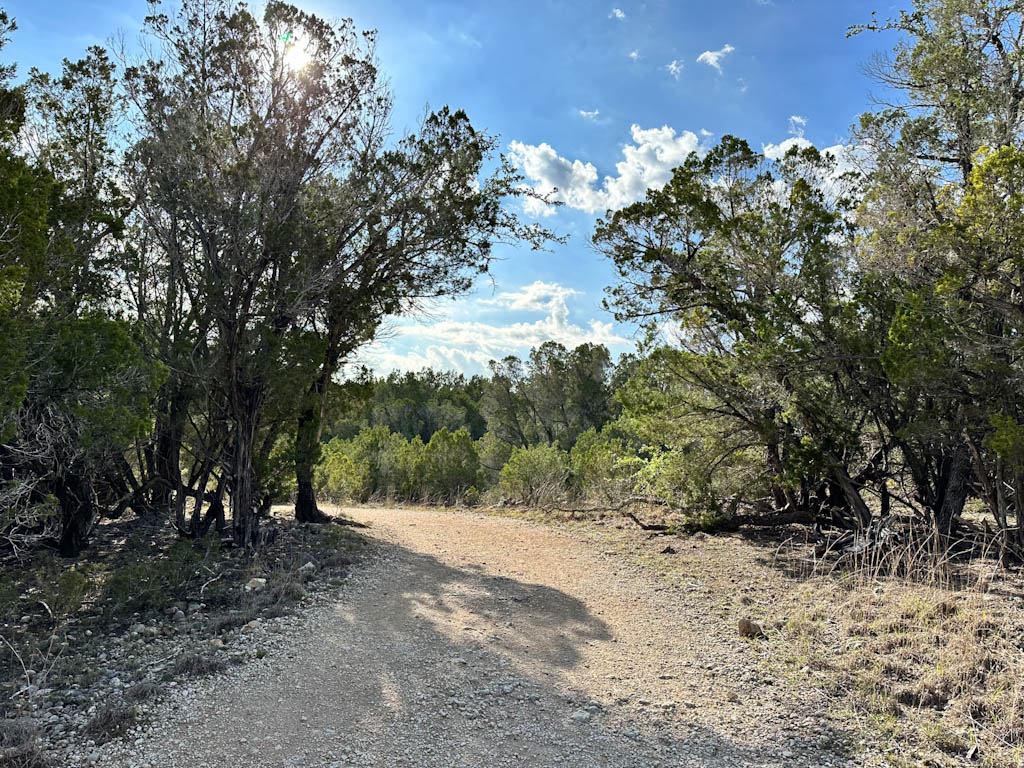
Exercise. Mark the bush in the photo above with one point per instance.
(494, 454)
(374, 463)
(602, 466)
(535, 475)
(337, 476)
(449, 464)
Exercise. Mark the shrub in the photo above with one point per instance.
(375, 463)
(338, 477)
(449, 464)
(602, 466)
(494, 454)
(111, 721)
(535, 475)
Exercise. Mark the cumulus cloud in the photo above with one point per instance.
(536, 297)
(647, 164)
(847, 158)
(778, 151)
(589, 115)
(634, 55)
(469, 345)
(675, 68)
(714, 58)
(617, 14)
(797, 125)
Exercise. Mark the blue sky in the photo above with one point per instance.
(577, 92)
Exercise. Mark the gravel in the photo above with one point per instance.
(471, 640)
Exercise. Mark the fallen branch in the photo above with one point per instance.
(656, 527)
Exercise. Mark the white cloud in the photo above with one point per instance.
(675, 68)
(536, 297)
(706, 133)
(778, 151)
(848, 158)
(797, 124)
(617, 14)
(589, 115)
(634, 55)
(714, 58)
(647, 164)
(468, 345)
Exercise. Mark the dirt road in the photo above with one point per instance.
(486, 641)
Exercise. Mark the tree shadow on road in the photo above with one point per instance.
(492, 658)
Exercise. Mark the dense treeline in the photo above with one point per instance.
(443, 437)
(849, 327)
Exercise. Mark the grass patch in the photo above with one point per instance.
(19, 746)
(110, 722)
(143, 691)
(197, 665)
(936, 671)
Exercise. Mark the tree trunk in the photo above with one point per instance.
(244, 498)
(76, 510)
(170, 428)
(956, 486)
(310, 427)
(307, 454)
(861, 513)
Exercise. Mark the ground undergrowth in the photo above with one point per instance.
(88, 646)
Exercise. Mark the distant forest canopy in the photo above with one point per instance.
(197, 241)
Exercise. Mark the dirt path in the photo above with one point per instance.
(486, 641)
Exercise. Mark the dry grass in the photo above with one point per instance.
(936, 668)
(110, 722)
(197, 665)
(19, 746)
(144, 691)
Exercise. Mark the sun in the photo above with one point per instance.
(296, 57)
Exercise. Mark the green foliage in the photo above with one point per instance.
(555, 396)
(449, 464)
(603, 466)
(66, 595)
(535, 475)
(493, 453)
(153, 584)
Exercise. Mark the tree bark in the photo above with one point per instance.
(956, 486)
(244, 498)
(307, 454)
(76, 509)
(310, 426)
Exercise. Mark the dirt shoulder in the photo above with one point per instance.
(486, 641)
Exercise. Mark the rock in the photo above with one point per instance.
(580, 716)
(668, 551)
(216, 643)
(748, 628)
(252, 625)
(255, 585)
(179, 616)
(307, 570)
